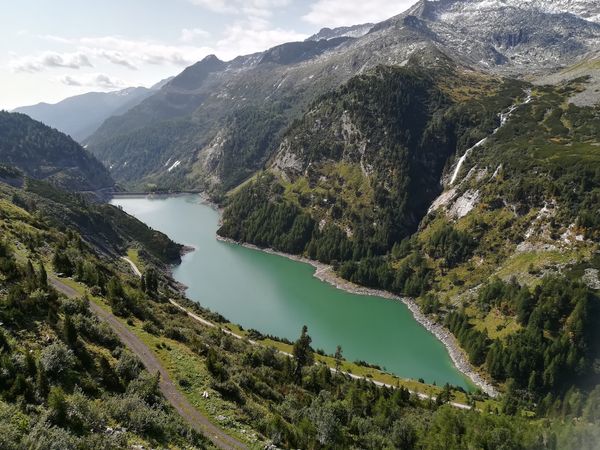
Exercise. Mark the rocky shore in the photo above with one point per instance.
(325, 273)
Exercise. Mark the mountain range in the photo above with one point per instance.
(216, 123)
(461, 178)
(449, 156)
(81, 115)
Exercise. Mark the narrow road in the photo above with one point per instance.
(196, 419)
(133, 266)
(289, 355)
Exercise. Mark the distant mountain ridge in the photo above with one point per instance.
(354, 31)
(81, 115)
(44, 153)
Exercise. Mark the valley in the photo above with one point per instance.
(380, 235)
(277, 297)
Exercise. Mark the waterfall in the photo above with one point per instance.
(503, 120)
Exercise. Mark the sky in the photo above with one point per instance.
(53, 49)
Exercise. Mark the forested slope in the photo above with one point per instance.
(66, 382)
(365, 161)
(47, 154)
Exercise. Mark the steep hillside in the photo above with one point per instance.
(105, 227)
(66, 381)
(513, 231)
(80, 116)
(528, 199)
(185, 136)
(44, 153)
(366, 159)
(588, 69)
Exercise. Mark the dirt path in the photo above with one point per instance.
(133, 266)
(197, 420)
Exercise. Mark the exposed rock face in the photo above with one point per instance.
(508, 35)
(464, 204)
(287, 161)
(591, 278)
(354, 31)
(466, 9)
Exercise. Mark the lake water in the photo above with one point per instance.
(277, 296)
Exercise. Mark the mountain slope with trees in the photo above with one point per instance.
(366, 159)
(364, 182)
(67, 382)
(43, 153)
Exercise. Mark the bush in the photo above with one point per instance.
(129, 366)
(149, 327)
(136, 415)
(57, 360)
(83, 414)
(47, 437)
(72, 306)
(176, 333)
(145, 387)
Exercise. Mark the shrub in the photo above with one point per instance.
(57, 360)
(129, 366)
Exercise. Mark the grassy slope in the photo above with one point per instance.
(532, 145)
(31, 238)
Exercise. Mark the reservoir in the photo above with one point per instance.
(277, 296)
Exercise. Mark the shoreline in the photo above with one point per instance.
(126, 195)
(325, 273)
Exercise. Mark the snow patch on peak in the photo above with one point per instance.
(452, 11)
(355, 31)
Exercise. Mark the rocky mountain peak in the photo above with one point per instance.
(583, 9)
(294, 52)
(194, 75)
(503, 35)
(354, 31)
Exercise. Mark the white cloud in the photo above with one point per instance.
(252, 36)
(134, 53)
(337, 13)
(93, 80)
(241, 37)
(38, 63)
(117, 58)
(220, 6)
(191, 34)
(255, 8)
(130, 53)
